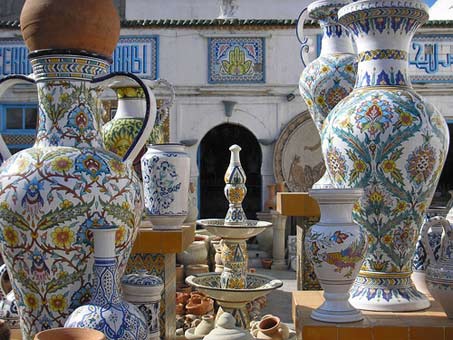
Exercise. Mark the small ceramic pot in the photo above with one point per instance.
(226, 330)
(193, 269)
(182, 297)
(70, 334)
(439, 273)
(166, 175)
(144, 291)
(206, 325)
(269, 329)
(196, 253)
(267, 263)
(199, 305)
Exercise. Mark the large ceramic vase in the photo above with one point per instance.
(107, 312)
(330, 77)
(336, 247)
(166, 176)
(52, 193)
(388, 140)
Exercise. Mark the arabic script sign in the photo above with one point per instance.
(431, 58)
(135, 54)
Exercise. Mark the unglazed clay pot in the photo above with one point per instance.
(67, 182)
(199, 305)
(270, 202)
(196, 253)
(70, 334)
(225, 330)
(52, 24)
(388, 140)
(107, 311)
(269, 329)
(206, 325)
(439, 272)
(330, 77)
(166, 175)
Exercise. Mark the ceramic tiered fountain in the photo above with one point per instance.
(234, 287)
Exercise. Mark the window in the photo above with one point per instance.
(19, 119)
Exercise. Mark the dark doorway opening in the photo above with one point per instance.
(213, 160)
(446, 179)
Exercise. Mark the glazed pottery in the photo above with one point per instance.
(195, 253)
(330, 77)
(225, 330)
(421, 260)
(386, 139)
(166, 175)
(439, 272)
(8, 306)
(336, 247)
(67, 182)
(144, 291)
(235, 189)
(70, 334)
(119, 133)
(107, 312)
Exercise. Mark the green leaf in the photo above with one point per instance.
(61, 215)
(13, 218)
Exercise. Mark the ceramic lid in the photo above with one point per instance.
(226, 330)
(142, 278)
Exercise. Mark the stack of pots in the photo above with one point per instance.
(195, 257)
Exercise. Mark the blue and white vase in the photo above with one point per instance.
(144, 291)
(421, 259)
(386, 139)
(235, 189)
(107, 312)
(166, 176)
(330, 77)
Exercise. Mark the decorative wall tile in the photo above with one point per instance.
(236, 60)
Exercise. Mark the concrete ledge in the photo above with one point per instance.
(431, 324)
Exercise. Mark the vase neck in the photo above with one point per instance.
(105, 267)
(382, 30)
(131, 103)
(335, 39)
(69, 110)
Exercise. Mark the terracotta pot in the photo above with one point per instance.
(193, 269)
(280, 187)
(199, 306)
(269, 329)
(182, 297)
(179, 309)
(70, 334)
(267, 263)
(95, 28)
(185, 288)
(270, 202)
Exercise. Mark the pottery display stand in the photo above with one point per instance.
(278, 248)
(306, 209)
(429, 324)
(155, 251)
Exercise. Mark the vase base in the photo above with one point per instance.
(342, 316)
(387, 295)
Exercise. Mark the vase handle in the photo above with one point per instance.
(5, 84)
(447, 232)
(150, 113)
(305, 48)
(162, 111)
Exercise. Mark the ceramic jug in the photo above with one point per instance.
(439, 272)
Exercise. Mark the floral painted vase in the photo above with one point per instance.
(166, 176)
(388, 140)
(439, 272)
(106, 311)
(330, 77)
(235, 189)
(421, 259)
(119, 133)
(336, 247)
(144, 291)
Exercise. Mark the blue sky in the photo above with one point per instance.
(430, 2)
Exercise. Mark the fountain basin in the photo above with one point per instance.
(235, 232)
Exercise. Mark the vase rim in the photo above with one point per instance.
(323, 9)
(68, 52)
(336, 194)
(385, 8)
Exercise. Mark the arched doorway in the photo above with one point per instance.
(213, 160)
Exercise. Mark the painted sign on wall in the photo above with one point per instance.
(134, 54)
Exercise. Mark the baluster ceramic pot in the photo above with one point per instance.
(336, 247)
(107, 312)
(144, 291)
(119, 133)
(388, 140)
(235, 189)
(439, 272)
(421, 260)
(166, 176)
(52, 193)
(330, 77)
